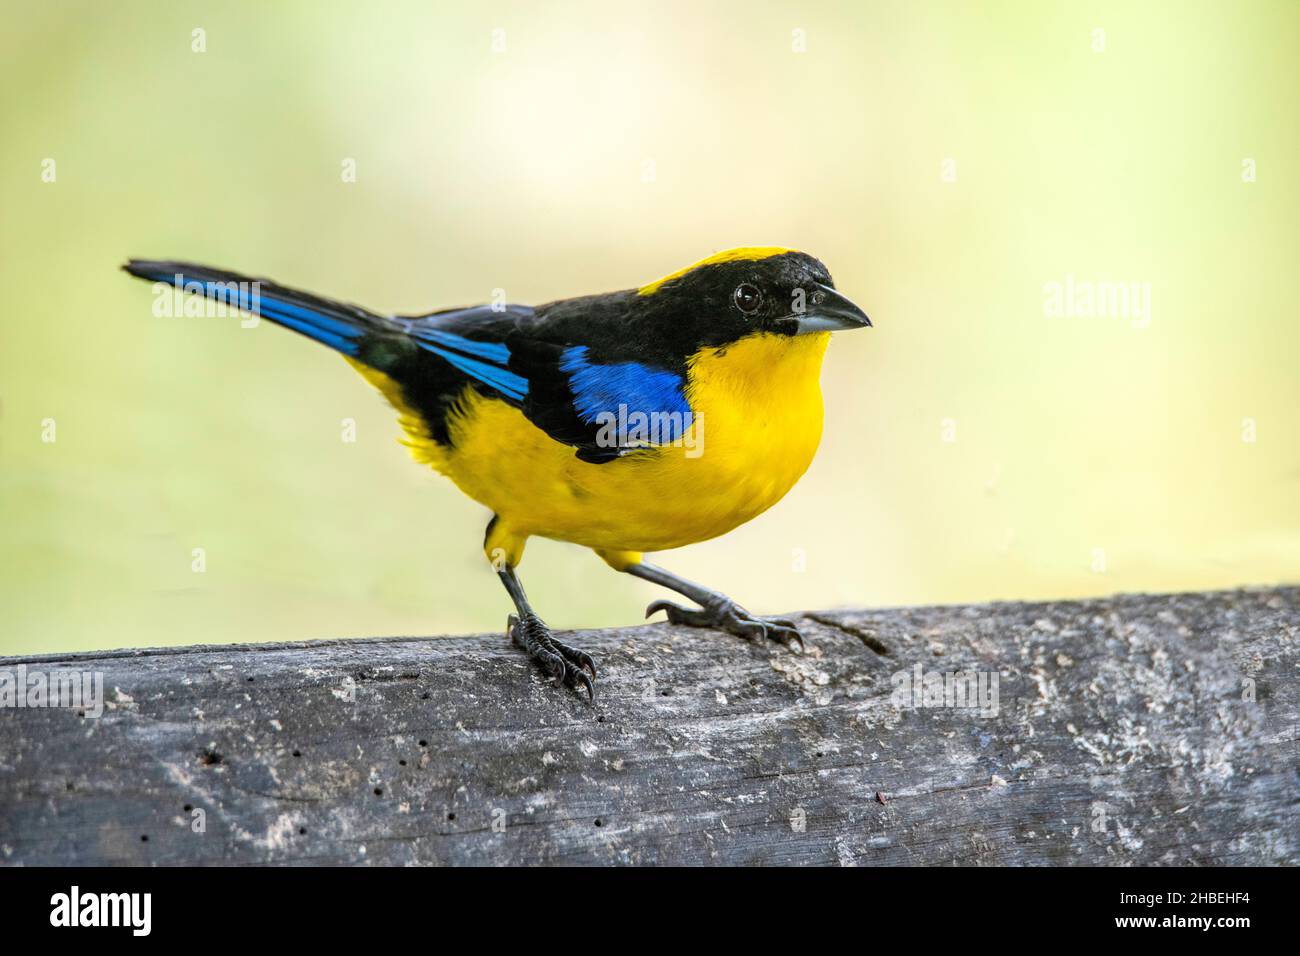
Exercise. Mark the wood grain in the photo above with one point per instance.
(1129, 730)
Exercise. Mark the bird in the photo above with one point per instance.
(626, 422)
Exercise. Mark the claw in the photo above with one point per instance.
(566, 665)
(575, 656)
(729, 616)
(683, 615)
(795, 643)
(661, 605)
(552, 663)
(791, 634)
(587, 683)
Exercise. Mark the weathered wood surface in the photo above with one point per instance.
(1131, 730)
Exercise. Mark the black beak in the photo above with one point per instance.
(828, 311)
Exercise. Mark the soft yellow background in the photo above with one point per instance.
(524, 170)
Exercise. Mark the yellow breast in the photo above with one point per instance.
(758, 420)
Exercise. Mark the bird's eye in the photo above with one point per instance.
(747, 298)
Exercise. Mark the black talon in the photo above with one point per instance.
(557, 660)
(675, 613)
(588, 683)
(681, 615)
(588, 665)
(792, 637)
(726, 615)
(715, 610)
(575, 656)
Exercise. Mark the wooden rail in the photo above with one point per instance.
(1128, 730)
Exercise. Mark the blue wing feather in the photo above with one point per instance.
(484, 361)
(621, 389)
(502, 379)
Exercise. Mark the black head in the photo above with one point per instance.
(712, 304)
(745, 291)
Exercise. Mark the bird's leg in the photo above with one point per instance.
(715, 609)
(566, 664)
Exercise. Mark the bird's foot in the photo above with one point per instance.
(725, 614)
(567, 665)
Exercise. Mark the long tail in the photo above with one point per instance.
(337, 324)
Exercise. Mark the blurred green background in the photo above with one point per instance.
(947, 161)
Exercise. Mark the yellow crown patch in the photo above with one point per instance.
(744, 254)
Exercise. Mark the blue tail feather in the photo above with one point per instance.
(343, 327)
(336, 324)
